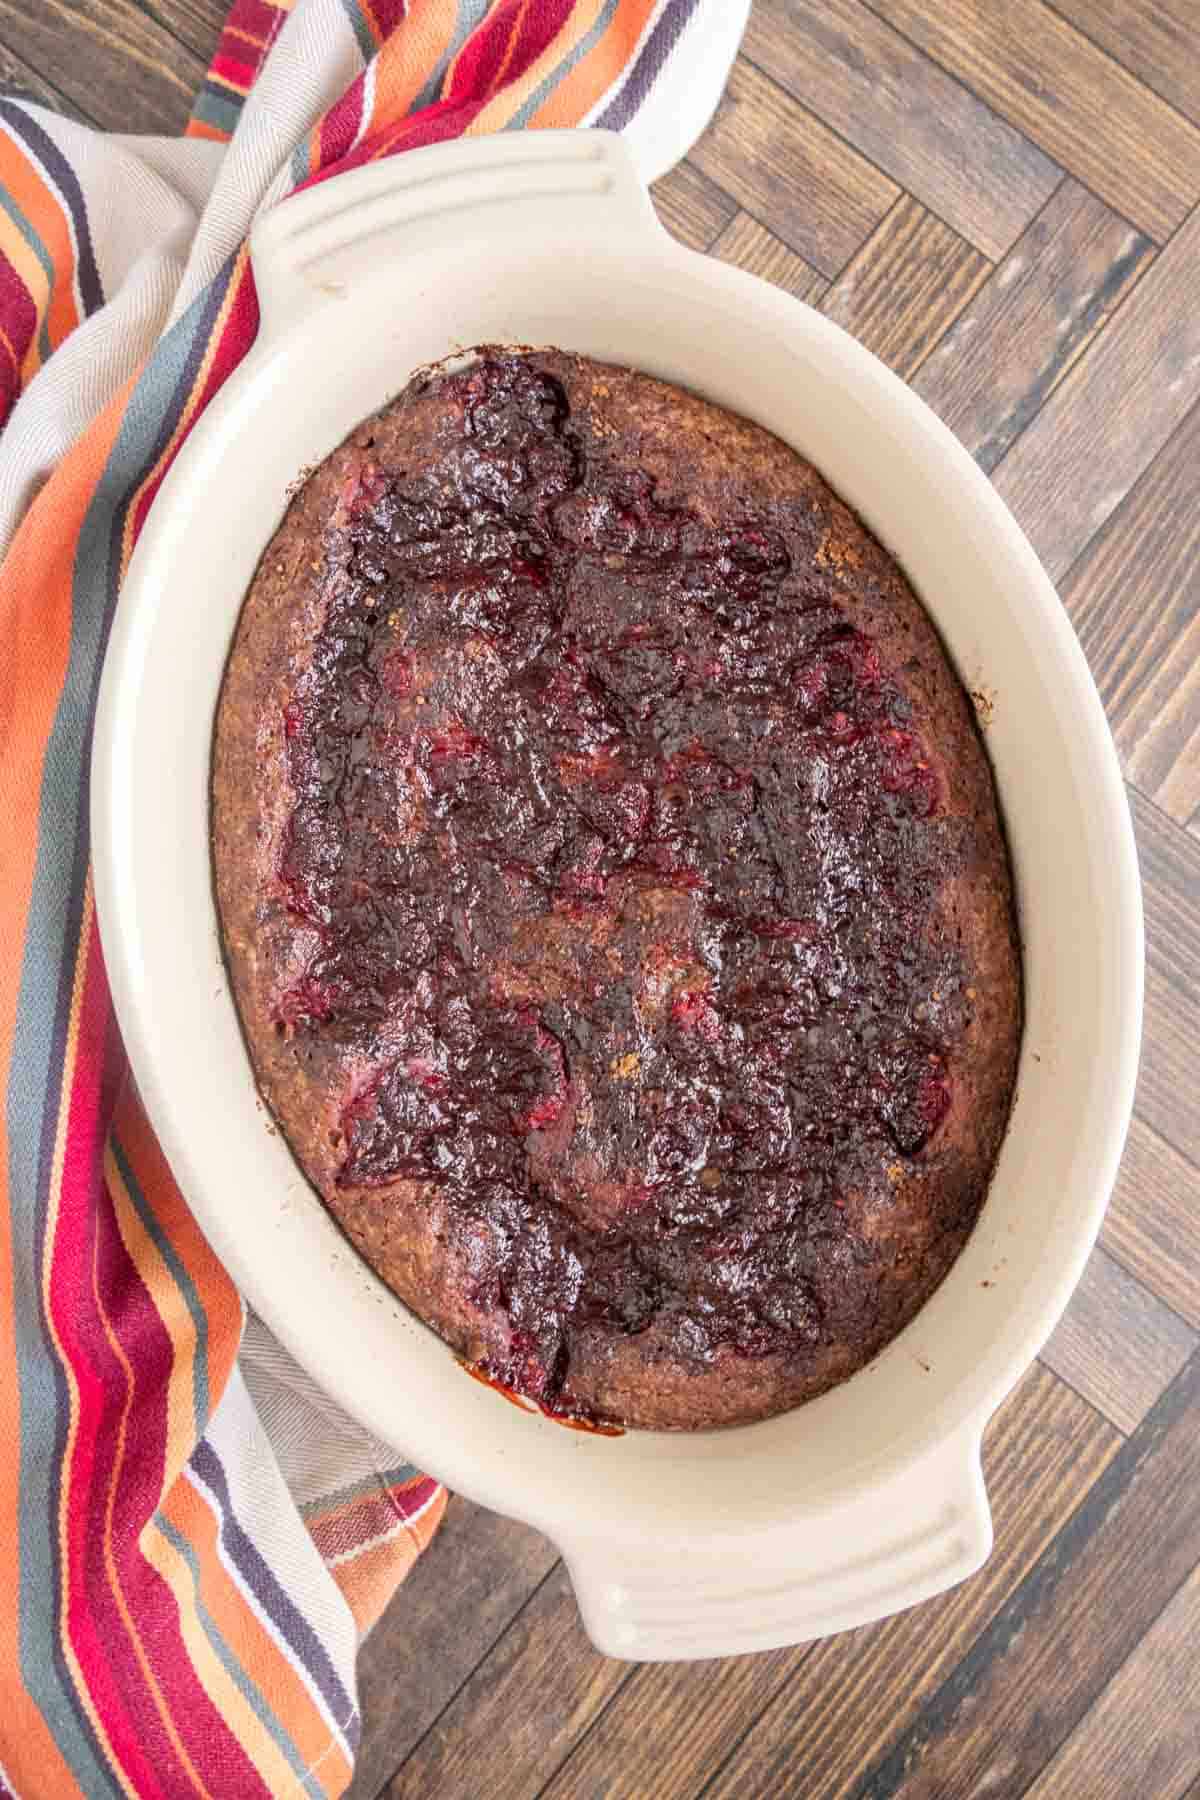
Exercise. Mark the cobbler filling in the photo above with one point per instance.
(615, 848)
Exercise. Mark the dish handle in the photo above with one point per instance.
(904, 1540)
(519, 187)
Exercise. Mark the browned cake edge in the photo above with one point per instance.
(708, 457)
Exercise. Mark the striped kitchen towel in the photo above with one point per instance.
(196, 1538)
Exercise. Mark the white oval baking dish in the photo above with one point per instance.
(870, 1498)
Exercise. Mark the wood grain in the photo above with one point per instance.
(995, 1722)
(528, 1699)
(1168, 1092)
(907, 284)
(995, 368)
(1134, 598)
(108, 57)
(1168, 1055)
(1158, 42)
(748, 245)
(1117, 1344)
(871, 155)
(667, 1729)
(692, 207)
(1151, 1226)
(20, 80)
(471, 1583)
(1072, 466)
(669, 1726)
(853, 1693)
(1084, 110)
(790, 171)
(1160, 1682)
(196, 23)
(924, 129)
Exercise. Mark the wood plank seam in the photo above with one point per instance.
(111, 52)
(1169, 827)
(1094, 351)
(1170, 860)
(69, 107)
(769, 150)
(1125, 1432)
(1134, 598)
(1095, 1681)
(853, 1693)
(1153, 263)
(163, 22)
(829, 280)
(1087, 336)
(746, 244)
(1083, 32)
(1164, 204)
(750, 211)
(886, 1777)
(895, 265)
(743, 1737)
(1154, 39)
(1133, 1242)
(1081, 352)
(530, 1597)
(1115, 1253)
(857, 150)
(678, 215)
(971, 168)
(1071, 1729)
(1102, 1752)
(577, 1743)
(1183, 1155)
(1065, 174)
(1118, 1344)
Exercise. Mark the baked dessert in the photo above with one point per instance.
(614, 893)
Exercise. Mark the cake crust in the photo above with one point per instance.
(614, 893)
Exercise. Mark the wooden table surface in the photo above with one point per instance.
(1002, 199)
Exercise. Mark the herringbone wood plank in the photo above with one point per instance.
(978, 191)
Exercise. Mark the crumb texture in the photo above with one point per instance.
(614, 893)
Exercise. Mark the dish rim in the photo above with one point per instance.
(974, 1397)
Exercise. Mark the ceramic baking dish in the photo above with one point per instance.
(870, 1498)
